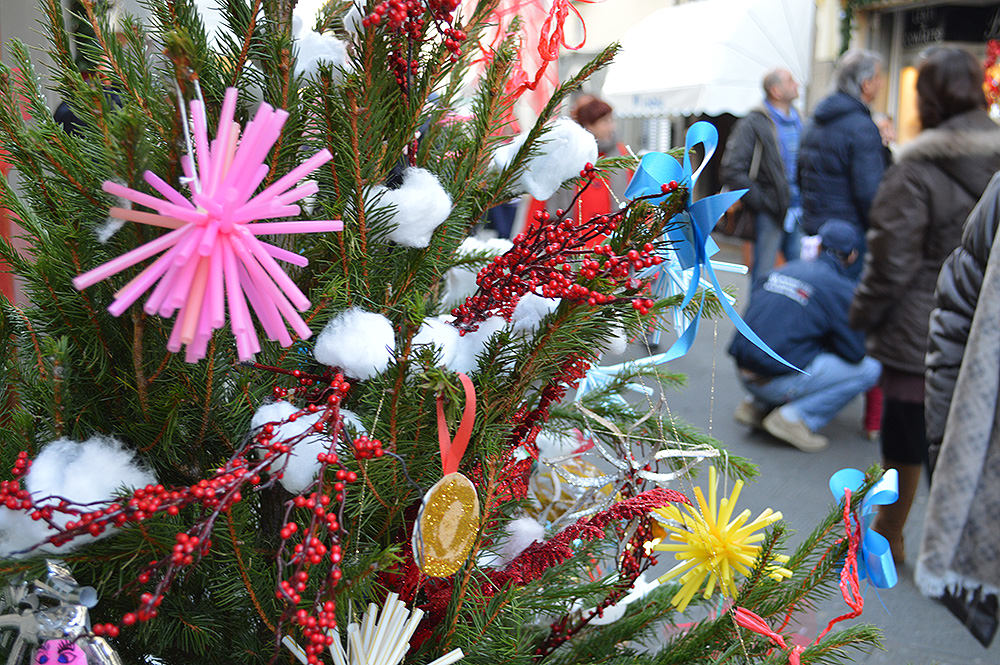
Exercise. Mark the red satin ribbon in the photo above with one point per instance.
(452, 451)
(755, 623)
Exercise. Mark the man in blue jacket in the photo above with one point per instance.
(800, 311)
(841, 157)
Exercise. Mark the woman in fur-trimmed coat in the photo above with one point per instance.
(915, 223)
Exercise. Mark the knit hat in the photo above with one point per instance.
(839, 236)
(590, 109)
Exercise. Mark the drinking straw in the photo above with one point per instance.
(153, 219)
(296, 650)
(128, 259)
(284, 255)
(168, 192)
(452, 656)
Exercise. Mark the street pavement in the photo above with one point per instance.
(917, 631)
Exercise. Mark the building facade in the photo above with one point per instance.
(902, 31)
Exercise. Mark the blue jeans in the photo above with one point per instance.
(816, 397)
(771, 237)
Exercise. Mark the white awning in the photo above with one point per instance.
(709, 56)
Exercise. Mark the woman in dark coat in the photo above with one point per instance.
(959, 558)
(916, 221)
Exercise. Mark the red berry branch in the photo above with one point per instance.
(310, 542)
(552, 260)
(407, 19)
(310, 545)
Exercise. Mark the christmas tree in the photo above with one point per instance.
(254, 396)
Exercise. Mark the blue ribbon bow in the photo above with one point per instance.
(875, 560)
(689, 235)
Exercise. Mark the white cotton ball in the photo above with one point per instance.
(552, 445)
(530, 311)
(561, 154)
(302, 466)
(472, 344)
(108, 228)
(640, 589)
(437, 331)
(360, 343)
(111, 225)
(314, 48)
(275, 412)
(420, 205)
(619, 343)
(460, 282)
(521, 533)
(353, 422)
(19, 532)
(87, 472)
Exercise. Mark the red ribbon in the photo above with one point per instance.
(849, 588)
(452, 451)
(548, 46)
(754, 622)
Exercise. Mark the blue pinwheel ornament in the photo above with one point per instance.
(875, 559)
(690, 242)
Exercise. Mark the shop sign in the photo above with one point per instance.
(951, 23)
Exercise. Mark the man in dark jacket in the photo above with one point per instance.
(800, 311)
(841, 158)
(761, 156)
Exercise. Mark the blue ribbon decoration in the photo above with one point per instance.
(598, 378)
(671, 279)
(689, 236)
(875, 559)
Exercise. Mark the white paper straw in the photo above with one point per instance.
(392, 636)
(368, 627)
(452, 656)
(354, 648)
(296, 650)
(401, 647)
(337, 648)
(392, 609)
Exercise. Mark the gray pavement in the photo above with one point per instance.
(917, 631)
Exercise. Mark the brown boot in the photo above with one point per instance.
(891, 518)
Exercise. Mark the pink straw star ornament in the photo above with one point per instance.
(212, 257)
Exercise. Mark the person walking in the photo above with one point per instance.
(800, 311)
(841, 158)
(916, 222)
(959, 559)
(761, 156)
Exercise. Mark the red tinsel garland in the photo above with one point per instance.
(539, 557)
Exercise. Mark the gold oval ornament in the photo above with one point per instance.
(446, 526)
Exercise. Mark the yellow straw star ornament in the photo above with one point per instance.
(708, 544)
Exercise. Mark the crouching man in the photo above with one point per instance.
(800, 311)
